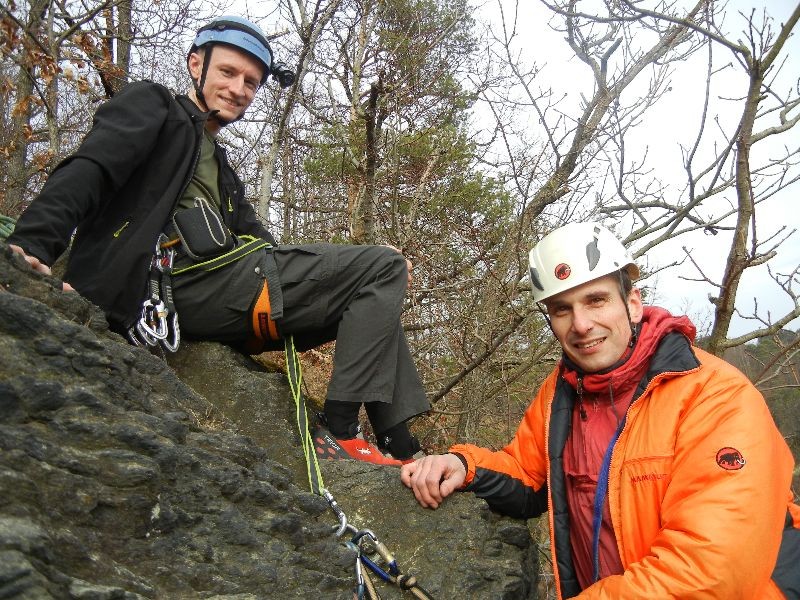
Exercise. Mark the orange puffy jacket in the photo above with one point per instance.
(699, 486)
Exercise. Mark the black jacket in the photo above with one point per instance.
(119, 189)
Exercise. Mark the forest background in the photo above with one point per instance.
(462, 132)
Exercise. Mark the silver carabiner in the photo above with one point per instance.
(172, 345)
(337, 511)
(144, 335)
(147, 326)
(133, 337)
(167, 259)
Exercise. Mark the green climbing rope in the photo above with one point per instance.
(295, 373)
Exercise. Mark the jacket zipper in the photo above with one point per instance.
(650, 385)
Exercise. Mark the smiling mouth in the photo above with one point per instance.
(230, 103)
(589, 345)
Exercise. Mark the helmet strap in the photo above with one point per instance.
(543, 310)
(634, 329)
(198, 84)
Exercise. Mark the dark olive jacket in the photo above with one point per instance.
(119, 189)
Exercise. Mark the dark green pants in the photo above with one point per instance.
(351, 294)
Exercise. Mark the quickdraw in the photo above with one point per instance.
(158, 320)
(390, 573)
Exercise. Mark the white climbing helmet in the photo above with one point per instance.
(574, 254)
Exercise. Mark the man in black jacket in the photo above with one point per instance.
(162, 228)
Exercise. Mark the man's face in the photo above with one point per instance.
(591, 324)
(232, 80)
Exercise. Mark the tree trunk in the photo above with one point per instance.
(310, 33)
(738, 257)
(362, 217)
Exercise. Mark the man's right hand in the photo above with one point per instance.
(38, 265)
(433, 478)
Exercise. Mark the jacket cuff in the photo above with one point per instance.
(461, 452)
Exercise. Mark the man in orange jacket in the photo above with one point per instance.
(660, 465)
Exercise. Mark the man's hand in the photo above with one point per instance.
(38, 265)
(409, 264)
(433, 478)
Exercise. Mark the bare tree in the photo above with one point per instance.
(309, 20)
(759, 56)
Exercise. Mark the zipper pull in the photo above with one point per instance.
(119, 231)
(581, 409)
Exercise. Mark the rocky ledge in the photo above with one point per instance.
(124, 476)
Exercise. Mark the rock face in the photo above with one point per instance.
(124, 477)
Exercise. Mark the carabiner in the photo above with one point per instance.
(337, 511)
(152, 325)
(144, 335)
(133, 337)
(165, 260)
(172, 345)
(380, 548)
(360, 587)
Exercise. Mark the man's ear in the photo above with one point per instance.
(635, 306)
(195, 64)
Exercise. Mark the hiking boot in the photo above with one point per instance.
(399, 444)
(355, 448)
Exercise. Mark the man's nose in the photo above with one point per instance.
(237, 85)
(581, 320)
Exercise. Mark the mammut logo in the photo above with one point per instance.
(730, 459)
(647, 477)
(562, 271)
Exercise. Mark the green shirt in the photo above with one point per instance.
(205, 181)
(204, 184)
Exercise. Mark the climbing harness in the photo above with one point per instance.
(247, 244)
(363, 542)
(157, 324)
(158, 320)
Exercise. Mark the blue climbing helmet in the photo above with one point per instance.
(238, 32)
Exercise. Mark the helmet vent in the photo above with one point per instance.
(535, 280)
